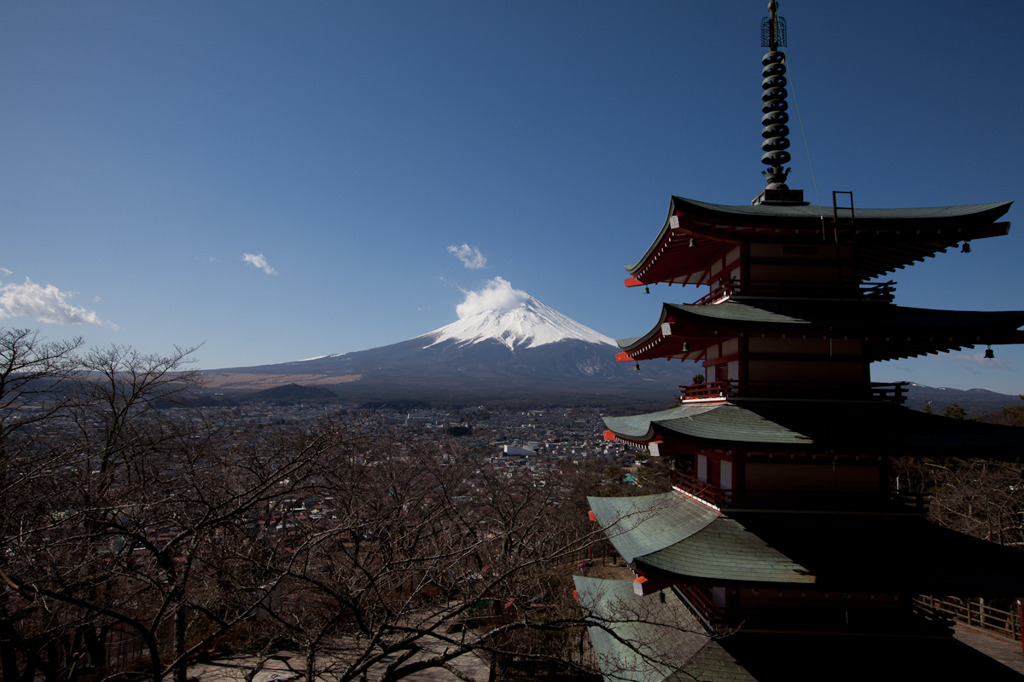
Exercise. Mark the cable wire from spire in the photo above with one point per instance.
(803, 135)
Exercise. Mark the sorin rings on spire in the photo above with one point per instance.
(775, 132)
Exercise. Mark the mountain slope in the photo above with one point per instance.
(522, 350)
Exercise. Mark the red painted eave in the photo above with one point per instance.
(611, 435)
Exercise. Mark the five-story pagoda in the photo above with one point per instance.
(783, 526)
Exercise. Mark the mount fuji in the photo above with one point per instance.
(527, 324)
(503, 348)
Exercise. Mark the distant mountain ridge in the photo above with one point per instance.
(976, 402)
(519, 351)
(522, 351)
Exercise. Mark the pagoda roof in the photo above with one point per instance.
(673, 532)
(889, 331)
(848, 427)
(887, 238)
(638, 524)
(875, 552)
(720, 422)
(652, 638)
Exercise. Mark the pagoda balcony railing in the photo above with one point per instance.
(879, 291)
(895, 392)
(712, 390)
(891, 501)
(700, 602)
(702, 490)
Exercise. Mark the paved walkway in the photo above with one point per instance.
(1006, 651)
(283, 668)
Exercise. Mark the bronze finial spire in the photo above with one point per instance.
(775, 132)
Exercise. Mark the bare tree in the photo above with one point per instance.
(116, 539)
(400, 565)
(141, 535)
(34, 378)
(36, 388)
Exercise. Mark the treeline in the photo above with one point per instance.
(137, 538)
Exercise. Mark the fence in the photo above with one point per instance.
(1004, 620)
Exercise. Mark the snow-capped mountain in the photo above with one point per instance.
(507, 346)
(528, 324)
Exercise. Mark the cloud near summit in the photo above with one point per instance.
(469, 255)
(497, 295)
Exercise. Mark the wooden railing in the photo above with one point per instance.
(910, 502)
(717, 497)
(1005, 622)
(698, 598)
(711, 494)
(895, 392)
(723, 291)
(707, 391)
(880, 291)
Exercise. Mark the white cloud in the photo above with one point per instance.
(258, 260)
(496, 295)
(469, 255)
(43, 304)
(5, 272)
(975, 362)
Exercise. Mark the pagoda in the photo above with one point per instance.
(783, 536)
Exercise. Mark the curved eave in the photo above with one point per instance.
(809, 426)
(647, 523)
(889, 239)
(849, 551)
(726, 551)
(718, 423)
(889, 331)
(772, 216)
(885, 253)
(673, 533)
(664, 341)
(650, 639)
(641, 428)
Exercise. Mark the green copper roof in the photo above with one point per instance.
(673, 534)
(846, 427)
(677, 534)
(889, 331)
(650, 639)
(639, 525)
(853, 316)
(718, 422)
(725, 550)
(772, 213)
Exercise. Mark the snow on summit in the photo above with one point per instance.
(512, 317)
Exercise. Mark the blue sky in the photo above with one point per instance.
(282, 180)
